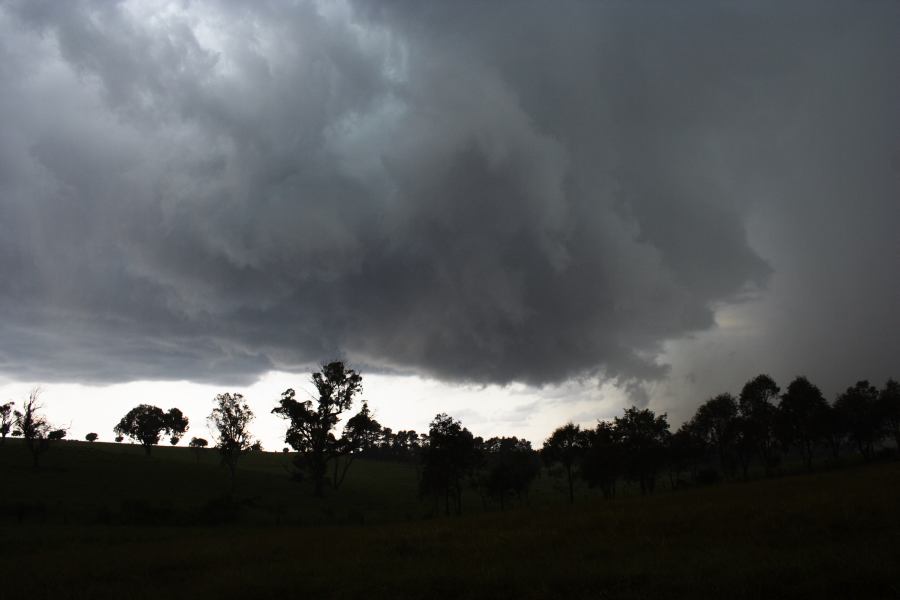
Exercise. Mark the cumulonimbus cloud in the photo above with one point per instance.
(211, 191)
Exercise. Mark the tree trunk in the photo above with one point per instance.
(865, 449)
(835, 444)
(807, 454)
(319, 470)
(339, 479)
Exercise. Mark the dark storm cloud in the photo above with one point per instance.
(480, 192)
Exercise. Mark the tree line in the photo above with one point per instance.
(726, 436)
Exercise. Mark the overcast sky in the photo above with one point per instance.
(518, 212)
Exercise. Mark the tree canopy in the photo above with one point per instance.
(311, 422)
(448, 457)
(566, 445)
(146, 424)
(230, 423)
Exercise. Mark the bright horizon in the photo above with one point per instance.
(399, 402)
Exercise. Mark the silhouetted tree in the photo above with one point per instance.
(91, 437)
(716, 422)
(889, 401)
(858, 408)
(744, 442)
(119, 439)
(405, 442)
(644, 437)
(447, 459)
(760, 427)
(508, 468)
(197, 444)
(362, 430)
(835, 430)
(33, 426)
(565, 446)
(6, 420)
(230, 421)
(686, 450)
(601, 461)
(361, 433)
(310, 429)
(803, 411)
(146, 424)
(178, 425)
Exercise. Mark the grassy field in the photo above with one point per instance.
(106, 522)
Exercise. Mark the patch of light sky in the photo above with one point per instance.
(399, 402)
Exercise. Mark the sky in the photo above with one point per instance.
(519, 213)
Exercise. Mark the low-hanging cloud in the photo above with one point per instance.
(478, 193)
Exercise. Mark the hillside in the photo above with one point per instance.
(831, 534)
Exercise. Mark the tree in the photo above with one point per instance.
(6, 420)
(91, 437)
(178, 425)
(756, 405)
(644, 437)
(508, 468)
(363, 429)
(889, 401)
(230, 421)
(566, 446)
(686, 449)
(146, 424)
(715, 422)
(405, 443)
(197, 444)
(601, 463)
(744, 442)
(360, 435)
(310, 428)
(33, 426)
(835, 430)
(803, 411)
(119, 439)
(448, 458)
(858, 408)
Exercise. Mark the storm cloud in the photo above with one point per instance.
(478, 192)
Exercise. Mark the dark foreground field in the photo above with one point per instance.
(828, 535)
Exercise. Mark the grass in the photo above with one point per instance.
(832, 534)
